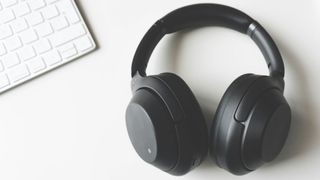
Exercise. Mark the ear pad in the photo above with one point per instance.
(165, 124)
(193, 132)
(251, 124)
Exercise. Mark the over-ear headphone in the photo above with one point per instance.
(164, 120)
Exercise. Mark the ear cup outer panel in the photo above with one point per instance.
(193, 133)
(266, 129)
(151, 130)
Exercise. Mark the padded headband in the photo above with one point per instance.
(208, 15)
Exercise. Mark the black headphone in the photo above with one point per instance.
(165, 122)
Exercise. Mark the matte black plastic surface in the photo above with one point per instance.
(142, 129)
(163, 92)
(266, 130)
(269, 50)
(206, 15)
(276, 132)
(151, 130)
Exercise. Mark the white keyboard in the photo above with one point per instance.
(37, 36)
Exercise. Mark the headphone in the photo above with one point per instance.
(164, 120)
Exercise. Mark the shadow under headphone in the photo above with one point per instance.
(164, 120)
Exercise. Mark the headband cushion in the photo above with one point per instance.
(193, 135)
(206, 15)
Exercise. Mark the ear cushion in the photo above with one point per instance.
(192, 131)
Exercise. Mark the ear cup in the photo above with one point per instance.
(251, 124)
(228, 155)
(193, 133)
(165, 119)
(266, 116)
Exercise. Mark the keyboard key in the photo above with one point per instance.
(37, 4)
(22, 9)
(66, 7)
(13, 43)
(66, 47)
(7, 3)
(59, 23)
(36, 65)
(18, 73)
(51, 1)
(50, 12)
(3, 50)
(44, 29)
(19, 25)
(6, 16)
(5, 31)
(26, 53)
(28, 36)
(10, 60)
(52, 58)
(42, 46)
(35, 18)
(4, 81)
(68, 51)
(83, 43)
(67, 35)
(1, 67)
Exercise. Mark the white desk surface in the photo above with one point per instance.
(69, 124)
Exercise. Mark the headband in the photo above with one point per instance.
(201, 15)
